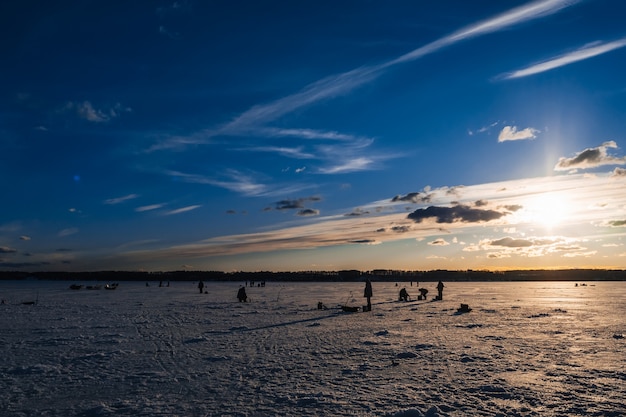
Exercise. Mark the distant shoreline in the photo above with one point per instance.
(573, 275)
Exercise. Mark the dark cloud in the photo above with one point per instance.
(509, 242)
(413, 198)
(357, 212)
(308, 212)
(590, 158)
(618, 172)
(289, 204)
(401, 229)
(454, 190)
(617, 223)
(457, 213)
(22, 264)
(513, 207)
(438, 242)
(294, 204)
(480, 203)
(363, 241)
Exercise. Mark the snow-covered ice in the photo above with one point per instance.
(525, 349)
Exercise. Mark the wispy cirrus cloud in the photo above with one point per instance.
(340, 84)
(296, 153)
(508, 19)
(182, 210)
(68, 232)
(149, 207)
(353, 154)
(255, 119)
(236, 181)
(350, 157)
(307, 134)
(586, 52)
(118, 200)
(349, 165)
(87, 111)
(241, 183)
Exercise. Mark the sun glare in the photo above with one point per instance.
(548, 210)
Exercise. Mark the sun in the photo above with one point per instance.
(548, 210)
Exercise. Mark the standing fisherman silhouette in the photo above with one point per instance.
(440, 290)
(241, 295)
(368, 293)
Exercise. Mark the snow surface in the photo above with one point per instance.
(525, 349)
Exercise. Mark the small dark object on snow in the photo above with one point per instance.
(349, 309)
(464, 308)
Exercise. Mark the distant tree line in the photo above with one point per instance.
(336, 276)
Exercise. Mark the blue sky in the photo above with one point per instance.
(312, 135)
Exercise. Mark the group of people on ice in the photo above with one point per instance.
(241, 293)
(404, 295)
(368, 293)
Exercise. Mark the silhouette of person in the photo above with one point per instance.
(368, 293)
(404, 295)
(201, 286)
(241, 295)
(440, 290)
(423, 292)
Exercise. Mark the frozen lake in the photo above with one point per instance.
(525, 349)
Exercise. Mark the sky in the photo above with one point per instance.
(312, 135)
